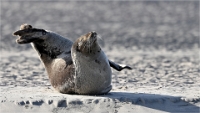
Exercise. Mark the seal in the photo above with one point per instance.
(80, 67)
(92, 68)
(54, 52)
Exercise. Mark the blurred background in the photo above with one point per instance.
(134, 25)
(159, 40)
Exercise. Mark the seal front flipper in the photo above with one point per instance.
(118, 67)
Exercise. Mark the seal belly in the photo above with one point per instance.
(93, 76)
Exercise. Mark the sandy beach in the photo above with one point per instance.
(159, 40)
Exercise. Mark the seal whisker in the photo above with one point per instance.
(100, 40)
(99, 37)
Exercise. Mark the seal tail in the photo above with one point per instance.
(118, 67)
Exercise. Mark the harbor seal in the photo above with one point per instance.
(80, 67)
(95, 77)
(54, 52)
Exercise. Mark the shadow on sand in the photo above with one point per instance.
(159, 102)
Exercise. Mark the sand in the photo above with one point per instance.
(159, 40)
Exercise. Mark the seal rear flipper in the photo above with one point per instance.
(118, 67)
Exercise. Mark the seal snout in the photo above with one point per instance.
(93, 34)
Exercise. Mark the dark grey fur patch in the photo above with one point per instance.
(49, 51)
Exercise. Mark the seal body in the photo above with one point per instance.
(80, 67)
(55, 53)
(92, 69)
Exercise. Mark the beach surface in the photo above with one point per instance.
(159, 40)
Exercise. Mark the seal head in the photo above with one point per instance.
(27, 34)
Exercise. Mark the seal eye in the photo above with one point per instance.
(77, 49)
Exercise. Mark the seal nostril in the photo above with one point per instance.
(94, 34)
